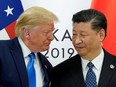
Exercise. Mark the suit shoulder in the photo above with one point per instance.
(44, 60)
(69, 63)
(4, 44)
(107, 54)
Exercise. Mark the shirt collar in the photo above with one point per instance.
(25, 49)
(97, 61)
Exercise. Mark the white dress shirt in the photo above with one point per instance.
(98, 61)
(37, 64)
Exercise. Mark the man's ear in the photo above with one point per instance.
(26, 33)
(102, 34)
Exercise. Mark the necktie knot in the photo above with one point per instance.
(90, 65)
(32, 55)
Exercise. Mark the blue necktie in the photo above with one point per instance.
(91, 77)
(31, 71)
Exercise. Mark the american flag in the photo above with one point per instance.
(9, 12)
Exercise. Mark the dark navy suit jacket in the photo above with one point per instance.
(13, 71)
(69, 73)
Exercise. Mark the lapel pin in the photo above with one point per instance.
(112, 66)
(46, 67)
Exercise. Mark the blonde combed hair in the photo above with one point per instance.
(32, 17)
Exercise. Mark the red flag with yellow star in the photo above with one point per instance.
(108, 8)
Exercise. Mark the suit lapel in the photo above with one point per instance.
(108, 69)
(77, 74)
(19, 62)
(45, 68)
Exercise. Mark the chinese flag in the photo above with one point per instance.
(108, 8)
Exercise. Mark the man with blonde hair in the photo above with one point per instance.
(34, 33)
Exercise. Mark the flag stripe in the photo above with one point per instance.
(10, 30)
(3, 35)
(10, 10)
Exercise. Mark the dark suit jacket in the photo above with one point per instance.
(13, 71)
(69, 73)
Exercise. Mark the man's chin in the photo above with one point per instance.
(47, 48)
(80, 52)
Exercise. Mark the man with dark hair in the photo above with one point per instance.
(93, 66)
